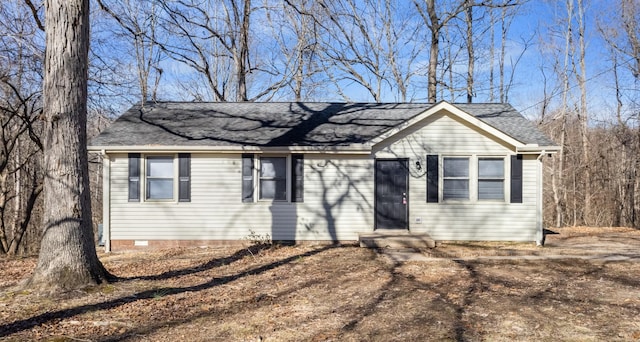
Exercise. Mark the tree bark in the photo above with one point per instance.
(470, 50)
(68, 256)
(584, 115)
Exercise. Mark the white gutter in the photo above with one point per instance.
(534, 149)
(351, 149)
(540, 226)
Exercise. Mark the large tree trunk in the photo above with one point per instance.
(68, 256)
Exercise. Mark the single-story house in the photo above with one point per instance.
(186, 173)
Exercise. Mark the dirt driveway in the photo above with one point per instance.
(570, 242)
(345, 293)
(605, 242)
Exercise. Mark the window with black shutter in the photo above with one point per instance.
(247, 178)
(432, 178)
(516, 178)
(184, 177)
(297, 178)
(134, 177)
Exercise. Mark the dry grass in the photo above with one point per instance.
(339, 293)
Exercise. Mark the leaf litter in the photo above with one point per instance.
(341, 293)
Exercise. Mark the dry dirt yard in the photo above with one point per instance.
(584, 285)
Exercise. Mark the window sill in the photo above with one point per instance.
(172, 200)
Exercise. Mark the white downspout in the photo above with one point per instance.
(540, 228)
(106, 201)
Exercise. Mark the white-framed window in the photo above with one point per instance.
(278, 178)
(491, 178)
(273, 178)
(473, 178)
(455, 178)
(159, 177)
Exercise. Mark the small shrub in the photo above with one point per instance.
(259, 240)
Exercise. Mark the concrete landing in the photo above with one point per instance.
(396, 239)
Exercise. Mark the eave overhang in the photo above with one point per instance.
(349, 149)
(535, 149)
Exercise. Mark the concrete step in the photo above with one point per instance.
(395, 239)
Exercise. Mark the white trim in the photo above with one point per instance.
(474, 178)
(503, 179)
(451, 109)
(106, 201)
(531, 149)
(539, 200)
(287, 175)
(143, 178)
(351, 149)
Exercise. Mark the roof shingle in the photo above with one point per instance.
(272, 124)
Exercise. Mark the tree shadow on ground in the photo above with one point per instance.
(28, 323)
(211, 264)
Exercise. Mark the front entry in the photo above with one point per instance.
(392, 190)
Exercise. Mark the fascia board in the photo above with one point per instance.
(350, 149)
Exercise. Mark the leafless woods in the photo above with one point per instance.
(347, 50)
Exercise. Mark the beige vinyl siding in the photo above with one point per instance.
(478, 220)
(338, 192)
(463, 220)
(440, 133)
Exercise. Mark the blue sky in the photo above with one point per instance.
(540, 19)
(539, 23)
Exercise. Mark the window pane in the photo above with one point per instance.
(281, 190)
(455, 189)
(161, 167)
(267, 189)
(456, 167)
(491, 168)
(273, 189)
(273, 167)
(491, 189)
(273, 178)
(160, 188)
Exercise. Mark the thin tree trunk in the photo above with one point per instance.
(433, 52)
(470, 52)
(68, 256)
(503, 43)
(584, 117)
(558, 179)
(492, 53)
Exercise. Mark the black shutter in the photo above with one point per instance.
(134, 177)
(297, 178)
(247, 178)
(184, 177)
(516, 179)
(432, 178)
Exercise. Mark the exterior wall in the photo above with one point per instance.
(464, 220)
(338, 196)
(338, 192)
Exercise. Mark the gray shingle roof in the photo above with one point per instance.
(286, 123)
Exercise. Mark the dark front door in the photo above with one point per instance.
(392, 190)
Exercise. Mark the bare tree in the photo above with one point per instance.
(20, 105)
(295, 30)
(436, 17)
(215, 39)
(371, 44)
(68, 256)
(583, 116)
(139, 22)
(439, 15)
